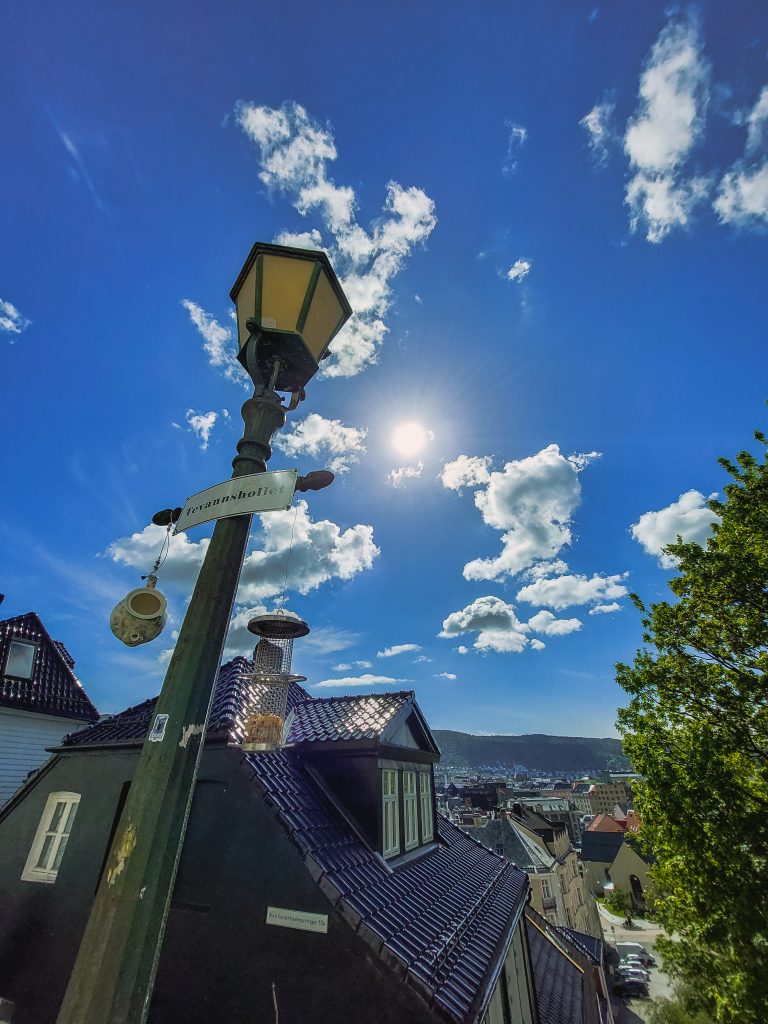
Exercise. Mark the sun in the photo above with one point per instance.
(409, 438)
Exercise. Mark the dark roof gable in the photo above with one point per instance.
(363, 720)
(442, 921)
(54, 689)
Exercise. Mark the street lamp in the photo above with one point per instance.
(292, 300)
(289, 308)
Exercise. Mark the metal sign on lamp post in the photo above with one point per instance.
(290, 306)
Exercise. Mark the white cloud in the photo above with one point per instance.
(315, 435)
(219, 343)
(11, 320)
(397, 477)
(519, 270)
(537, 645)
(345, 666)
(466, 471)
(605, 609)
(445, 675)
(320, 552)
(669, 121)
(742, 196)
(557, 567)
(391, 652)
(461, 649)
(597, 124)
(564, 591)
(532, 500)
(664, 202)
(201, 424)
(422, 659)
(688, 517)
(495, 622)
(546, 623)
(517, 136)
(364, 680)
(294, 155)
(140, 550)
(239, 640)
(301, 239)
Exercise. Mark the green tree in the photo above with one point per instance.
(697, 729)
(675, 1010)
(618, 902)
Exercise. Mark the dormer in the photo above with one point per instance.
(374, 754)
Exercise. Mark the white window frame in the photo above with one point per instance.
(21, 643)
(425, 799)
(390, 818)
(410, 811)
(45, 856)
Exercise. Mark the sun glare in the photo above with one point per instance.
(409, 438)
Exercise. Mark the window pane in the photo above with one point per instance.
(60, 852)
(45, 852)
(70, 818)
(21, 658)
(56, 817)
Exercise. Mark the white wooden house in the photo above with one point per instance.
(41, 699)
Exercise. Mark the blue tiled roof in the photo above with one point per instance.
(344, 718)
(235, 698)
(588, 944)
(559, 981)
(441, 920)
(54, 689)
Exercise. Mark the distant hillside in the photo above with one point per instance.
(555, 753)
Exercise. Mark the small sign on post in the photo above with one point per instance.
(257, 492)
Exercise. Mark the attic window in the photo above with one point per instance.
(390, 816)
(425, 799)
(20, 662)
(409, 810)
(51, 838)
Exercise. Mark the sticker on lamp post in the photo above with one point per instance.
(257, 492)
(302, 920)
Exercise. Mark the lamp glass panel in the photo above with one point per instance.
(324, 314)
(246, 304)
(284, 286)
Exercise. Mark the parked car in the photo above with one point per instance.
(632, 961)
(633, 974)
(630, 987)
(626, 949)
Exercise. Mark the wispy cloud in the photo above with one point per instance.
(202, 423)
(519, 270)
(294, 156)
(77, 165)
(364, 680)
(598, 126)
(346, 666)
(445, 675)
(392, 652)
(316, 436)
(398, 477)
(515, 142)
(219, 343)
(11, 320)
(742, 195)
(668, 122)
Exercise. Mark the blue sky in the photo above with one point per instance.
(550, 220)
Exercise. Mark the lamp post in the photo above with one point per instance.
(290, 306)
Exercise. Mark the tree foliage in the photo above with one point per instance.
(697, 729)
(676, 1010)
(619, 902)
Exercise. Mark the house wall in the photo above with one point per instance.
(220, 959)
(626, 863)
(24, 737)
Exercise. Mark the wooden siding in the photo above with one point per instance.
(24, 737)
